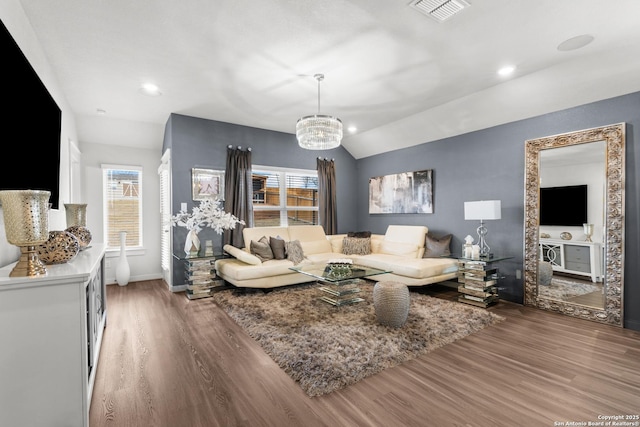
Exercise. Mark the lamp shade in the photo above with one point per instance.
(482, 210)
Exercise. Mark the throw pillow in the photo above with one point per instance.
(261, 249)
(241, 255)
(356, 245)
(277, 247)
(437, 247)
(359, 234)
(294, 252)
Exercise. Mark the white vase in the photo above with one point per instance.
(122, 269)
(192, 244)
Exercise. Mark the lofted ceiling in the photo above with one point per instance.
(399, 76)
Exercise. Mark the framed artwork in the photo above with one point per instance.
(407, 192)
(207, 184)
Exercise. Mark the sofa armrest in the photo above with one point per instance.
(241, 255)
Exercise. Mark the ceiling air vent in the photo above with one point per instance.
(440, 10)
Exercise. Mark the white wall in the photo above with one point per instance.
(145, 265)
(14, 19)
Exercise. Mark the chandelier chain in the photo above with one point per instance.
(319, 78)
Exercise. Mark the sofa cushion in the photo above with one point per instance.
(295, 253)
(437, 247)
(278, 247)
(311, 237)
(336, 242)
(242, 255)
(323, 258)
(410, 267)
(414, 234)
(376, 243)
(356, 245)
(402, 249)
(261, 249)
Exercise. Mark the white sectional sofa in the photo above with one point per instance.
(400, 250)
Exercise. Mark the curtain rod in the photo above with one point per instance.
(326, 158)
(239, 147)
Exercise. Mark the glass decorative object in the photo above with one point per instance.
(319, 132)
(61, 247)
(26, 223)
(76, 214)
(82, 234)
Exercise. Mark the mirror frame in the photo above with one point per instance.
(613, 237)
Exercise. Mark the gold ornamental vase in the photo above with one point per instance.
(76, 214)
(26, 223)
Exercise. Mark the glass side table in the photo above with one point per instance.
(478, 280)
(200, 275)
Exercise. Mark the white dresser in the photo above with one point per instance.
(50, 334)
(568, 256)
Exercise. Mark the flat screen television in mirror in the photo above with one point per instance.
(563, 205)
(31, 126)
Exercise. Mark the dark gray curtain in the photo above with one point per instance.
(238, 193)
(327, 209)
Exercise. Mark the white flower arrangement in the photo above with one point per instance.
(207, 214)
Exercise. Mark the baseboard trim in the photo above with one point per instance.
(632, 325)
(140, 278)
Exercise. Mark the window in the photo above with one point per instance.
(122, 197)
(284, 197)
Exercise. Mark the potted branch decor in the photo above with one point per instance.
(207, 214)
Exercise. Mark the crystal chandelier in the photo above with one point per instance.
(319, 132)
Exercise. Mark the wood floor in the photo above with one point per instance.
(168, 361)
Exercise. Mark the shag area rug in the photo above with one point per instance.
(564, 289)
(326, 348)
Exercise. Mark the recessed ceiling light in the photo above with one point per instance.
(352, 129)
(575, 42)
(150, 89)
(506, 70)
(101, 112)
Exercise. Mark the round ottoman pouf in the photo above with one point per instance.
(545, 271)
(391, 302)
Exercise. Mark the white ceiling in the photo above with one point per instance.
(399, 76)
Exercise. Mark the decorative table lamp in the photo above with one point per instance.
(483, 210)
(26, 223)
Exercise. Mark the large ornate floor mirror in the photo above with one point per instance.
(574, 223)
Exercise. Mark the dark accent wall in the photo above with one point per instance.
(201, 143)
(489, 164)
(482, 165)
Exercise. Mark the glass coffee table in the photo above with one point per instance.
(339, 283)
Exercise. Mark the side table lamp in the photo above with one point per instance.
(483, 210)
